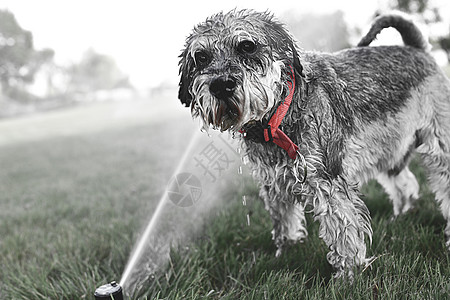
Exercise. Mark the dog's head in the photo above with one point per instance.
(235, 68)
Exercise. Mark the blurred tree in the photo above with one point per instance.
(16, 50)
(425, 8)
(96, 72)
(19, 61)
(411, 6)
(319, 32)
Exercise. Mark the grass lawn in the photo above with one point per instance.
(234, 261)
(72, 205)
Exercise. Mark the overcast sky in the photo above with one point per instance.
(145, 37)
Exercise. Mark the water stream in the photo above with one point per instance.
(138, 251)
(190, 196)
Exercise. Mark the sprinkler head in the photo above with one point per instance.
(111, 291)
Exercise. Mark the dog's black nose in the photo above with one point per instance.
(222, 87)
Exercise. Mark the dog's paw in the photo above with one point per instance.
(278, 253)
(344, 276)
(447, 244)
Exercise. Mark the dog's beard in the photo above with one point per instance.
(251, 101)
(214, 112)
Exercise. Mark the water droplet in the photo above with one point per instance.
(244, 200)
(240, 170)
(245, 159)
(248, 219)
(239, 150)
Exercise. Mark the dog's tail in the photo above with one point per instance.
(411, 34)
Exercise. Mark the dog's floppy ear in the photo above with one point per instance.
(185, 79)
(286, 44)
(298, 68)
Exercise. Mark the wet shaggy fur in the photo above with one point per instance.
(356, 114)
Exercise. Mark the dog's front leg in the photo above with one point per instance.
(287, 216)
(344, 220)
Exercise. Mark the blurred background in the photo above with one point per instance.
(91, 131)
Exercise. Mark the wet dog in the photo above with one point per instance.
(317, 126)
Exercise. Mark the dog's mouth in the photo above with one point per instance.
(226, 115)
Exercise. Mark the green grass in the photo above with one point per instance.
(71, 208)
(235, 261)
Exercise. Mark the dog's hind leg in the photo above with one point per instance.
(436, 159)
(288, 217)
(402, 188)
(435, 152)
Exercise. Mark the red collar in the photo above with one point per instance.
(271, 131)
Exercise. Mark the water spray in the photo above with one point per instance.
(114, 290)
(182, 192)
(144, 238)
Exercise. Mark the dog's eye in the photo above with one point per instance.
(247, 47)
(201, 58)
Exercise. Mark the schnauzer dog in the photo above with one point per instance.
(317, 126)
